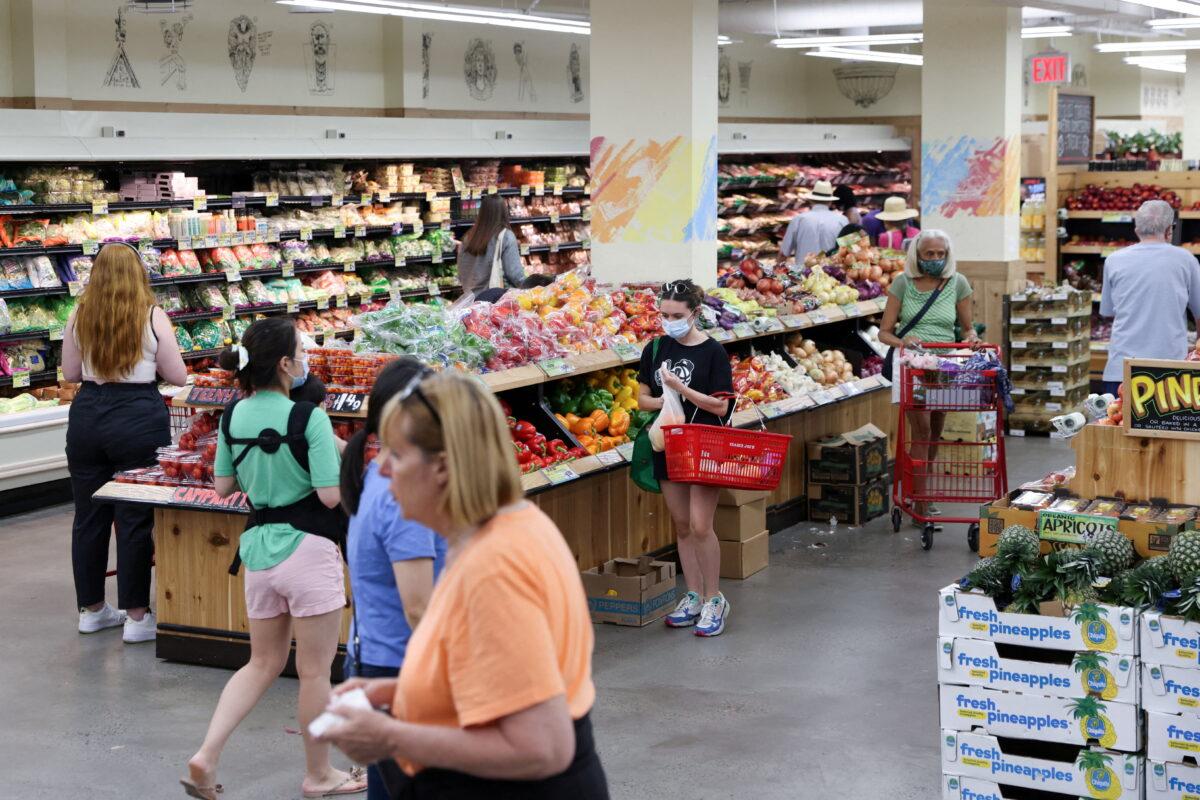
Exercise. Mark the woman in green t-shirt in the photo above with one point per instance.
(929, 265)
(295, 580)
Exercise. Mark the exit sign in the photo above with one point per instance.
(1050, 67)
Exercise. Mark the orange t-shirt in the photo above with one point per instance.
(507, 628)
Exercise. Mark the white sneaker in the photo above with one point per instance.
(106, 617)
(141, 630)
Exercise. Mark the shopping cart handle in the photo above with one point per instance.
(955, 346)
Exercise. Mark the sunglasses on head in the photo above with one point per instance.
(677, 288)
(414, 388)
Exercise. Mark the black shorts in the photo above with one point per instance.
(660, 466)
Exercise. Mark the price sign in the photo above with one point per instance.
(99, 206)
(345, 402)
(558, 190)
(817, 317)
(323, 303)
(227, 312)
(212, 395)
(774, 325)
(610, 458)
(436, 257)
(56, 333)
(434, 290)
(287, 269)
(1017, 321)
(1116, 218)
(721, 335)
(384, 197)
(90, 248)
(743, 330)
(272, 199)
(364, 199)
(292, 306)
(272, 235)
(339, 231)
(554, 247)
(794, 320)
(1057, 368)
(224, 240)
(203, 497)
(393, 293)
(850, 309)
(1058, 320)
(539, 189)
(400, 261)
(341, 300)
(627, 351)
(20, 380)
(233, 275)
(1019, 345)
(306, 233)
(349, 266)
(586, 244)
(771, 410)
(559, 473)
(335, 200)
(586, 213)
(316, 201)
(360, 231)
(1060, 345)
(210, 241)
(524, 190)
(74, 288)
(239, 238)
(182, 244)
(524, 249)
(200, 202)
(492, 190)
(554, 217)
(556, 367)
(626, 450)
(59, 375)
(477, 193)
(418, 227)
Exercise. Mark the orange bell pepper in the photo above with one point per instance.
(563, 420)
(618, 424)
(585, 426)
(585, 440)
(572, 419)
(600, 420)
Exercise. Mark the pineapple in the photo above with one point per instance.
(1018, 546)
(1185, 556)
(1077, 571)
(1098, 775)
(1145, 584)
(1115, 550)
(990, 575)
(1092, 722)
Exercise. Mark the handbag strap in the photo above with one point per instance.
(912, 323)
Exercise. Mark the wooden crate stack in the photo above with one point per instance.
(1049, 332)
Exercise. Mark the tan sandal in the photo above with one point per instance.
(192, 789)
(355, 783)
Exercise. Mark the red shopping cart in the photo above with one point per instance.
(929, 469)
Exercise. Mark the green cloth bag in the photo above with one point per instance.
(641, 465)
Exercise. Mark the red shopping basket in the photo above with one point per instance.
(732, 458)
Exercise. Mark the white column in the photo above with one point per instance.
(39, 53)
(1191, 106)
(654, 139)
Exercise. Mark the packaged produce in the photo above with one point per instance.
(1106, 507)
(1139, 511)
(170, 264)
(246, 257)
(267, 257)
(191, 264)
(207, 334)
(13, 275)
(1070, 505)
(426, 331)
(183, 339)
(1177, 514)
(257, 293)
(1032, 501)
(235, 296)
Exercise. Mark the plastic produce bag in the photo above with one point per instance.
(671, 414)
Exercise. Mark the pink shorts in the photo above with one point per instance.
(308, 583)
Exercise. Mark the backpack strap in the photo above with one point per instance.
(269, 440)
(297, 425)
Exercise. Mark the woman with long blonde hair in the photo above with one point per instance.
(115, 343)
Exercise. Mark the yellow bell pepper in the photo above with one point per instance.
(624, 393)
(613, 384)
(629, 405)
(619, 422)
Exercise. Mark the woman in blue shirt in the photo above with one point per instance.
(393, 562)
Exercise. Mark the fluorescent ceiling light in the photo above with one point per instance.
(723, 40)
(1148, 47)
(875, 38)
(849, 54)
(1046, 32)
(506, 19)
(1178, 6)
(1174, 22)
(1171, 63)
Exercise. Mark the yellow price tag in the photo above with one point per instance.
(272, 199)
(200, 203)
(384, 197)
(339, 231)
(335, 200)
(365, 200)
(59, 374)
(99, 206)
(287, 269)
(56, 333)
(74, 288)
(431, 195)
(524, 190)
(558, 190)
(492, 190)
(341, 301)
(306, 233)
(20, 380)
(554, 217)
(418, 227)
(323, 303)
(292, 306)
(360, 231)
(539, 189)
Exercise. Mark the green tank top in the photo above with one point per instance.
(938, 323)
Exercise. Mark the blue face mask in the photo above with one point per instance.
(298, 381)
(677, 328)
(932, 266)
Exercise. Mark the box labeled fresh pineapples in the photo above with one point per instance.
(1070, 720)
(1170, 641)
(1088, 626)
(1172, 737)
(1168, 781)
(958, 787)
(973, 662)
(1092, 773)
(1171, 690)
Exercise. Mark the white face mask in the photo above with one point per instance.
(677, 328)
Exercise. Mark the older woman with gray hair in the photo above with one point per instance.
(1148, 287)
(924, 304)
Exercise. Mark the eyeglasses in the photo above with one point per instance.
(414, 388)
(677, 287)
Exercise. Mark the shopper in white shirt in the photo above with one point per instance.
(1148, 288)
(816, 230)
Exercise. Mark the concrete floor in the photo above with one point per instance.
(823, 685)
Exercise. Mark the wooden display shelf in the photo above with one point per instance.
(1109, 463)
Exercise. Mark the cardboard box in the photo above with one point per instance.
(1171, 690)
(628, 591)
(1167, 781)
(979, 756)
(852, 505)
(739, 497)
(973, 615)
(742, 559)
(1115, 726)
(1149, 538)
(1172, 737)
(969, 426)
(740, 523)
(854, 457)
(957, 787)
(972, 662)
(1170, 641)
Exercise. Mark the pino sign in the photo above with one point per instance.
(1050, 67)
(1162, 398)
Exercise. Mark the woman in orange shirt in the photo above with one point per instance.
(494, 696)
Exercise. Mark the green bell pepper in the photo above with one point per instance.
(590, 402)
(605, 399)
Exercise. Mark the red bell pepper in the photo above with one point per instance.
(537, 443)
(524, 431)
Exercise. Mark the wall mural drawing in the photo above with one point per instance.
(744, 82)
(525, 86)
(172, 64)
(320, 55)
(479, 69)
(724, 78)
(575, 72)
(243, 40)
(968, 176)
(426, 43)
(120, 72)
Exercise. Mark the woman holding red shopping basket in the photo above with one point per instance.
(695, 366)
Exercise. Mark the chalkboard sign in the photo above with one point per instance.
(1162, 398)
(212, 395)
(1076, 123)
(345, 402)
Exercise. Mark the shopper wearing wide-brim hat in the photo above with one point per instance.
(895, 217)
(815, 231)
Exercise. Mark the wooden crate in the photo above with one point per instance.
(1110, 464)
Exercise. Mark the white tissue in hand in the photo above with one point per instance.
(355, 698)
